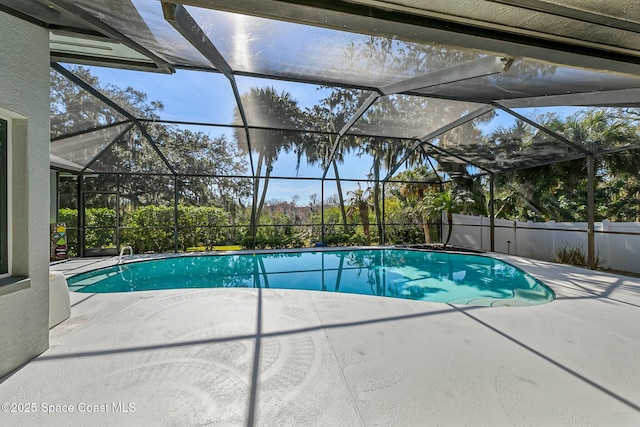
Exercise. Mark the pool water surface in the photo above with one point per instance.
(399, 273)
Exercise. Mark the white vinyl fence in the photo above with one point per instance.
(542, 240)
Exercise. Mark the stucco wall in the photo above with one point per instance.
(24, 97)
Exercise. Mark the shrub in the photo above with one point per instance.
(150, 228)
(95, 217)
(337, 239)
(202, 226)
(68, 216)
(573, 255)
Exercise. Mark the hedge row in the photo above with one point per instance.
(151, 228)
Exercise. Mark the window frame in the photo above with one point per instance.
(5, 199)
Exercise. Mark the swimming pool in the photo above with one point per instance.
(400, 273)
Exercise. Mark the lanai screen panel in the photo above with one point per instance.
(421, 167)
(133, 153)
(282, 104)
(596, 129)
(287, 153)
(253, 45)
(528, 78)
(498, 141)
(202, 150)
(220, 191)
(364, 157)
(74, 109)
(405, 116)
(449, 165)
(193, 96)
(134, 192)
(81, 149)
(143, 22)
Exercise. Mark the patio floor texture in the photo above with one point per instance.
(279, 357)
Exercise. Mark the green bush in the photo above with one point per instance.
(100, 237)
(150, 228)
(202, 226)
(337, 238)
(95, 237)
(275, 232)
(68, 216)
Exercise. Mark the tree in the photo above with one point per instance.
(359, 204)
(74, 109)
(558, 191)
(187, 151)
(264, 107)
(330, 116)
(449, 200)
(417, 184)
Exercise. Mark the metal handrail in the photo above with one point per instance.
(122, 253)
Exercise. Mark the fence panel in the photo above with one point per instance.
(617, 244)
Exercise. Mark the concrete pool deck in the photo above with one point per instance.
(280, 357)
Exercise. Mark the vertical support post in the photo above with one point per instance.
(384, 223)
(322, 222)
(492, 213)
(254, 225)
(440, 222)
(118, 212)
(176, 229)
(591, 241)
(81, 215)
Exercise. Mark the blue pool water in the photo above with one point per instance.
(399, 273)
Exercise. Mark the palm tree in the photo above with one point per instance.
(359, 204)
(550, 192)
(435, 203)
(449, 200)
(329, 116)
(417, 184)
(264, 107)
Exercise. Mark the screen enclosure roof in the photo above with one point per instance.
(438, 78)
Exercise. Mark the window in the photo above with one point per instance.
(4, 199)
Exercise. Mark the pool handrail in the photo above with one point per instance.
(122, 253)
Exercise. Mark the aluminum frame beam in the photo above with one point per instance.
(431, 164)
(104, 150)
(68, 7)
(591, 207)
(183, 22)
(611, 98)
(446, 128)
(444, 151)
(572, 13)
(469, 70)
(481, 67)
(86, 86)
(543, 129)
(90, 130)
(545, 163)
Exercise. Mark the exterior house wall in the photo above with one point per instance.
(24, 100)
